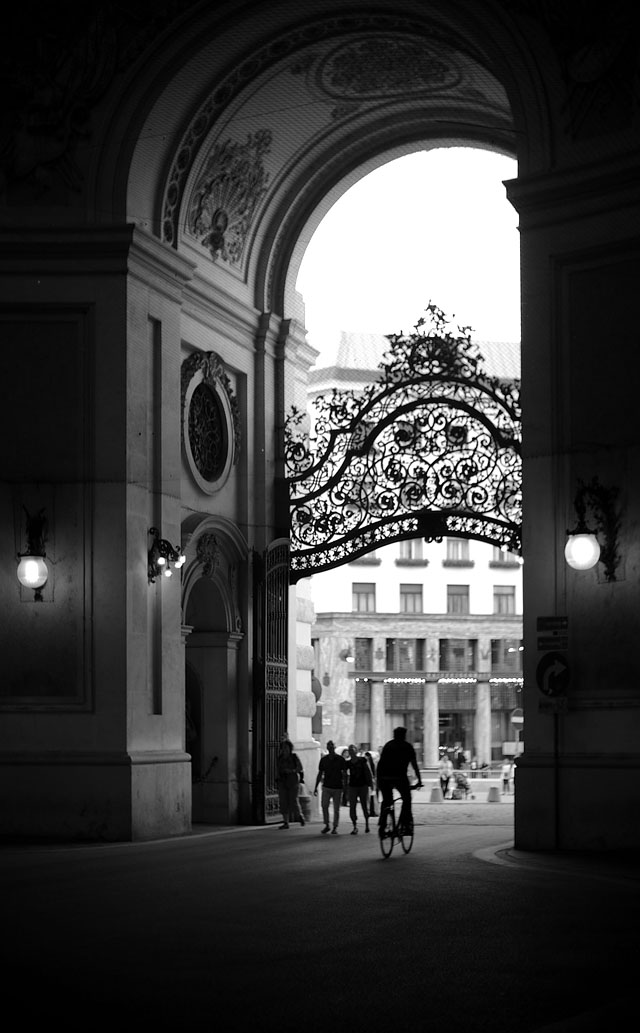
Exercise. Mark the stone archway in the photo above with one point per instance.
(239, 195)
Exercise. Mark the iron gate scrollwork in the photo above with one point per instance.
(272, 694)
(431, 449)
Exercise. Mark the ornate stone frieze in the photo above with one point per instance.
(292, 43)
(599, 54)
(229, 188)
(68, 60)
(208, 553)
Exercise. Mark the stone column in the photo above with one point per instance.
(431, 705)
(482, 732)
(378, 734)
(431, 733)
(482, 724)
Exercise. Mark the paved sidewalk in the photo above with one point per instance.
(255, 930)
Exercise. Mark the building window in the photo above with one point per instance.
(364, 597)
(506, 655)
(410, 598)
(502, 558)
(457, 549)
(403, 698)
(506, 696)
(369, 559)
(410, 554)
(457, 599)
(457, 553)
(363, 654)
(405, 654)
(504, 599)
(458, 655)
(363, 697)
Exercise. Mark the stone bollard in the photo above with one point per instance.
(494, 795)
(436, 795)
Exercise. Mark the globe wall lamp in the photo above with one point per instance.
(164, 558)
(586, 545)
(32, 570)
(346, 655)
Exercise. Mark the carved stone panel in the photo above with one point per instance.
(210, 421)
(226, 195)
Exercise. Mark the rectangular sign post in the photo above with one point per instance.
(552, 633)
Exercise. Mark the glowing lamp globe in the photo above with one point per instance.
(32, 571)
(582, 551)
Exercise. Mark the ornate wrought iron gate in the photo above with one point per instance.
(431, 449)
(272, 682)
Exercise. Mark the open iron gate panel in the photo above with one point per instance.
(272, 576)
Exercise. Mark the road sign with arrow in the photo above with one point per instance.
(553, 674)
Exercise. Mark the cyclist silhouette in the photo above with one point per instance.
(396, 757)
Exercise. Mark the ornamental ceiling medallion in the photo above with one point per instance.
(210, 420)
(430, 449)
(227, 192)
(379, 67)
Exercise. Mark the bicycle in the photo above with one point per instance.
(390, 830)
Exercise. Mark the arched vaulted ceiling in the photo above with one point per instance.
(268, 146)
(251, 177)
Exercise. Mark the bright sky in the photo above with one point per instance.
(432, 226)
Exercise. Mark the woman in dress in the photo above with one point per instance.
(290, 775)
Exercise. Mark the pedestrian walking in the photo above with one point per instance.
(290, 775)
(359, 788)
(373, 792)
(446, 771)
(506, 776)
(344, 799)
(331, 773)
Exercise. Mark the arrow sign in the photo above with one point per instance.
(553, 674)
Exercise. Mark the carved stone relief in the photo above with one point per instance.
(379, 68)
(225, 197)
(208, 553)
(293, 43)
(599, 55)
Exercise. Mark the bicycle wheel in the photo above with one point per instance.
(406, 838)
(387, 832)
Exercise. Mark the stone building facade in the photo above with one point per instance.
(453, 680)
(162, 170)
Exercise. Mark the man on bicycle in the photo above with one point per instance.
(396, 757)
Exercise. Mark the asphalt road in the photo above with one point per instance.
(266, 930)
